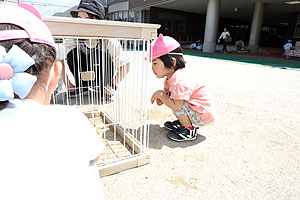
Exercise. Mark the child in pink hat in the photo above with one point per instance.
(183, 93)
(43, 156)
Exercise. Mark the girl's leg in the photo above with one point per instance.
(185, 130)
(184, 121)
(187, 117)
(224, 46)
(223, 49)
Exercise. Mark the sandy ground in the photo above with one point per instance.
(251, 152)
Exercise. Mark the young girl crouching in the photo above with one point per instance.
(183, 93)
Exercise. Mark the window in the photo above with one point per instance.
(111, 17)
(297, 29)
(171, 22)
(120, 16)
(125, 16)
(265, 29)
(131, 16)
(138, 16)
(116, 18)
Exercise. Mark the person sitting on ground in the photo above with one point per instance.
(196, 45)
(288, 45)
(183, 93)
(240, 45)
(47, 151)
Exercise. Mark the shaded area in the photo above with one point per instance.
(159, 138)
(273, 61)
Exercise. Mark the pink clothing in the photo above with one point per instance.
(183, 86)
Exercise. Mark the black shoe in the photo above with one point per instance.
(172, 125)
(183, 134)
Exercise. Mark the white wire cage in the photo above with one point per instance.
(108, 80)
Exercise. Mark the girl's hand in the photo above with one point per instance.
(155, 96)
(159, 102)
(162, 98)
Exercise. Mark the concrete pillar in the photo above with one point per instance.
(211, 25)
(256, 25)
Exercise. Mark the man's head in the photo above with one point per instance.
(93, 8)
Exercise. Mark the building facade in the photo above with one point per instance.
(267, 23)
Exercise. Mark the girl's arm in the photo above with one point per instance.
(165, 99)
(220, 36)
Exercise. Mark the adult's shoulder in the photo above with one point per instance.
(75, 49)
(63, 110)
(69, 118)
(29, 112)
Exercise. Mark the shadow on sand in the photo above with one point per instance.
(158, 139)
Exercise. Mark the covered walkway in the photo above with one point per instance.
(259, 23)
(273, 60)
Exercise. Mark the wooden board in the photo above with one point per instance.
(76, 27)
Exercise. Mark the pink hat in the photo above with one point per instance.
(31, 9)
(28, 18)
(163, 45)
